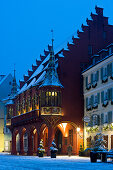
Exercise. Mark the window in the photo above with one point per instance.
(88, 82)
(105, 118)
(104, 74)
(110, 51)
(94, 119)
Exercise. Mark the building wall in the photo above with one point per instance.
(2, 106)
(5, 91)
(100, 107)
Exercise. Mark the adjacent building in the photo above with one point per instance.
(5, 91)
(98, 97)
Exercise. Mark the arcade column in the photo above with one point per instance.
(50, 139)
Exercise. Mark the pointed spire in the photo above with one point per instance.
(14, 85)
(51, 77)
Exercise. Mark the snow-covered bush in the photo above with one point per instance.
(41, 147)
(53, 147)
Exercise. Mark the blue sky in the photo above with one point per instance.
(25, 28)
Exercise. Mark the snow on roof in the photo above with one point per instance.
(22, 89)
(9, 102)
(3, 79)
(41, 78)
(40, 68)
(31, 83)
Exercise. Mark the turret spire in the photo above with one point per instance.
(14, 85)
(51, 77)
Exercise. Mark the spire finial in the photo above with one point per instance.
(14, 70)
(52, 38)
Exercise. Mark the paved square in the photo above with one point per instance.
(8, 162)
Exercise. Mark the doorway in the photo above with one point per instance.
(58, 139)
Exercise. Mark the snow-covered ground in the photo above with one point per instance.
(10, 162)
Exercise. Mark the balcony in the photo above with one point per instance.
(51, 111)
(25, 118)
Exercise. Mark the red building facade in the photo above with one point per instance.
(55, 110)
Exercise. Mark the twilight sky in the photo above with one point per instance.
(25, 28)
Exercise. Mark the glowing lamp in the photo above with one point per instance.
(78, 129)
(112, 124)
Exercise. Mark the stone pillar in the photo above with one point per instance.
(21, 144)
(50, 139)
(35, 142)
(14, 152)
(30, 145)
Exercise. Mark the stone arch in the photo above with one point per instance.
(14, 143)
(69, 135)
(43, 134)
(32, 140)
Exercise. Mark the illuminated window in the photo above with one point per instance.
(49, 93)
(52, 93)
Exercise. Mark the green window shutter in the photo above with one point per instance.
(110, 94)
(92, 100)
(110, 117)
(86, 102)
(108, 72)
(110, 69)
(92, 78)
(102, 118)
(86, 82)
(102, 97)
(98, 96)
(97, 76)
(98, 120)
(102, 73)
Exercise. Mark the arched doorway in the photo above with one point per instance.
(58, 139)
(18, 143)
(25, 138)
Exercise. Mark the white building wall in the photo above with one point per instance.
(98, 111)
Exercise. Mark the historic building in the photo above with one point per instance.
(98, 97)
(52, 106)
(5, 90)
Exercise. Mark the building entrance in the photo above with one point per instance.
(58, 139)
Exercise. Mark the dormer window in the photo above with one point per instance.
(110, 51)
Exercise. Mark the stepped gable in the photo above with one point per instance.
(34, 67)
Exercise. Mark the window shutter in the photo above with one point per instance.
(86, 82)
(102, 118)
(110, 117)
(110, 94)
(97, 76)
(92, 100)
(98, 96)
(110, 69)
(86, 102)
(102, 73)
(98, 120)
(102, 97)
(91, 78)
